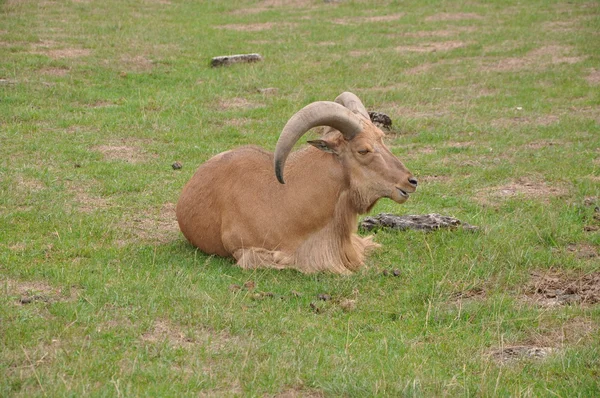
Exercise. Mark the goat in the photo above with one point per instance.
(235, 206)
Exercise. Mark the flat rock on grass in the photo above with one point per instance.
(426, 222)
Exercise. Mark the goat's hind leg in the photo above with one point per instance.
(252, 258)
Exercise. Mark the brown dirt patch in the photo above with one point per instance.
(541, 144)
(28, 292)
(299, 392)
(537, 58)
(67, 53)
(593, 77)
(555, 288)
(456, 16)
(432, 47)
(54, 71)
(125, 150)
(161, 227)
(440, 33)
(530, 189)
(136, 63)
(30, 184)
(84, 200)
(237, 103)
(164, 331)
(376, 18)
(544, 120)
(255, 27)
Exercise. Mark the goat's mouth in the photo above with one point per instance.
(402, 193)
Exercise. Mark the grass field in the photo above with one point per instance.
(496, 109)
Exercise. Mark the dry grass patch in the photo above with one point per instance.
(255, 27)
(298, 392)
(161, 227)
(538, 58)
(593, 77)
(84, 201)
(164, 331)
(376, 18)
(55, 71)
(523, 187)
(455, 16)
(27, 292)
(237, 103)
(136, 63)
(432, 47)
(543, 120)
(127, 150)
(554, 288)
(52, 50)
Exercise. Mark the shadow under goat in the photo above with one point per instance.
(296, 209)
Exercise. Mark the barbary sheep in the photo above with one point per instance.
(307, 217)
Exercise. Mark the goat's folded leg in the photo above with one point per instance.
(253, 257)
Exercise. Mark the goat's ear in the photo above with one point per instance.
(323, 145)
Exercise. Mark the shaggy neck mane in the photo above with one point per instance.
(336, 245)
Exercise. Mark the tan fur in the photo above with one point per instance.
(234, 206)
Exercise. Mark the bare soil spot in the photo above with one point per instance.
(84, 200)
(123, 151)
(593, 77)
(237, 103)
(511, 354)
(255, 27)
(29, 184)
(440, 33)
(555, 288)
(530, 189)
(538, 58)
(67, 53)
(162, 331)
(27, 292)
(174, 335)
(456, 16)
(432, 47)
(54, 71)
(376, 18)
(136, 63)
(544, 120)
(299, 392)
(161, 227)
(541, 144)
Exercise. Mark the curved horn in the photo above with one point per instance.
(352, 102)
(321, 113)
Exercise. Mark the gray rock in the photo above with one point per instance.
(426, 222)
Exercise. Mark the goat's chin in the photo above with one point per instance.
(399, 196)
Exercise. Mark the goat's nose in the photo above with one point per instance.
(413, 181)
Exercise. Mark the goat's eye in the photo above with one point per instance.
(363, 151)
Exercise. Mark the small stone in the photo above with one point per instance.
(324, 297)
(77, 165)
(386, 272)
(396, 272)
(26, 300)
(177, 166)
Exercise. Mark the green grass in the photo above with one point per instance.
(500, 123)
